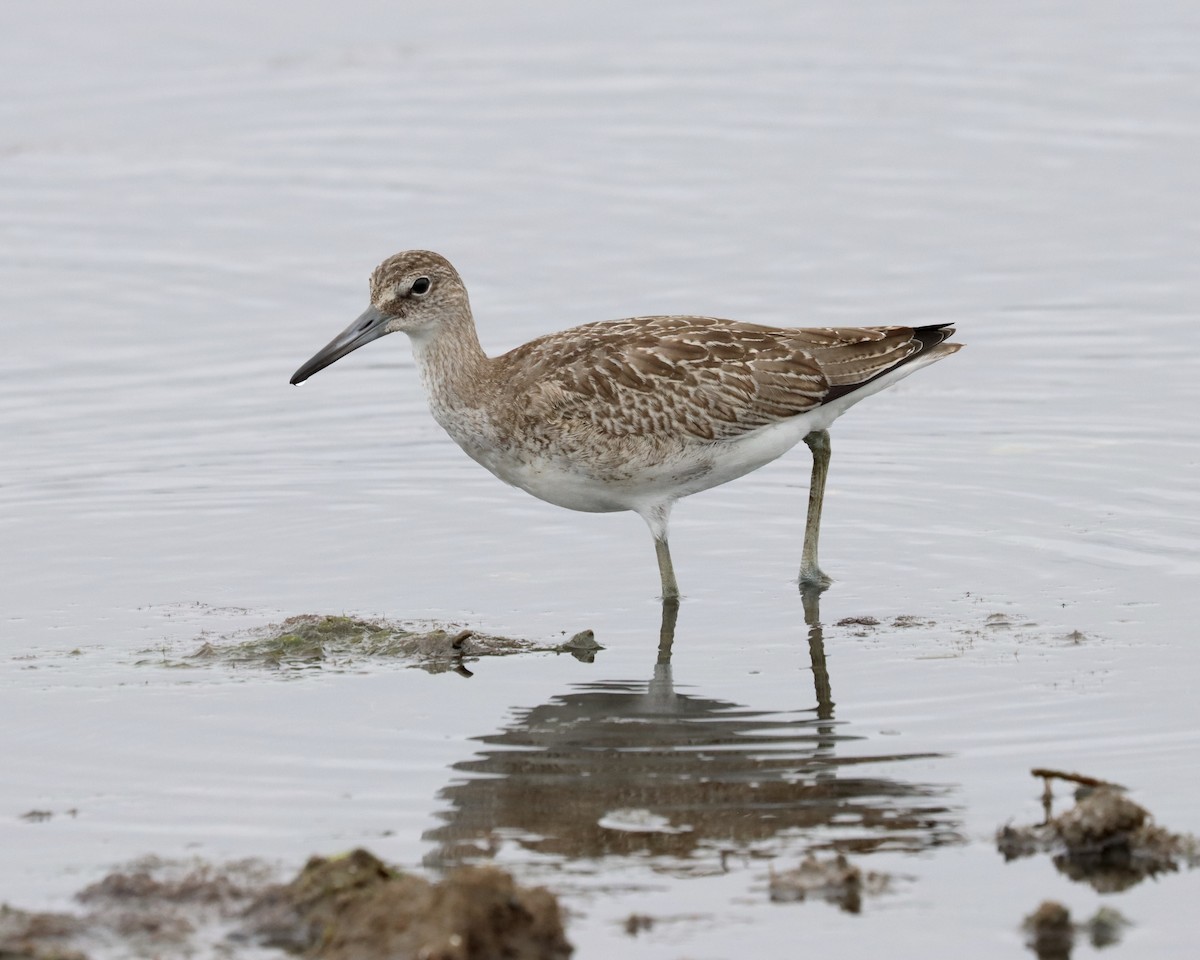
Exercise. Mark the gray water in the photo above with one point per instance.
(192, 197)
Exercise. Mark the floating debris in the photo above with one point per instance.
(835, 881)
(352, 907)
(906, 620)
(1051, 934)
(310, 641)
(864, 621)
(1106, 839)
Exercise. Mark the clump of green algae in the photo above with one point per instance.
(308, 638)
(312, 641)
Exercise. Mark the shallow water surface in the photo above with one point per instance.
(194, 196)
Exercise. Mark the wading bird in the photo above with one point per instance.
(633, 414)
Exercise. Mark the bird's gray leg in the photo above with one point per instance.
(810, 571)
(666, 570)
(658, 518)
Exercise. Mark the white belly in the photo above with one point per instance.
(579, 483)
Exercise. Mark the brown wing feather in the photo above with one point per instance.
(708, 378)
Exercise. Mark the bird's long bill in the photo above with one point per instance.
(371, 325)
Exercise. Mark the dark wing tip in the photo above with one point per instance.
(932, 334)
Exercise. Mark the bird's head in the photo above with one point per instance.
(414, 291)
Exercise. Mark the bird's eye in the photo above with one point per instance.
(421, 286)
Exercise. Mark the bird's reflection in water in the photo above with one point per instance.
(629, 768)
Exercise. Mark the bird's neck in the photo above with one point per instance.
(452, 364)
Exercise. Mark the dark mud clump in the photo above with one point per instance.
(356, 908)
(582, 646)
(1105, 840)
(1049, 931)
(352, 907)
(835, 881)
(1051, 935)
(310, 641)
(637, 923)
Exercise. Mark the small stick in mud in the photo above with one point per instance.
(1084, 781)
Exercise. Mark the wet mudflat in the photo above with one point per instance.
(193, 199)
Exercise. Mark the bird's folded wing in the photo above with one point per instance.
(708, 378)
